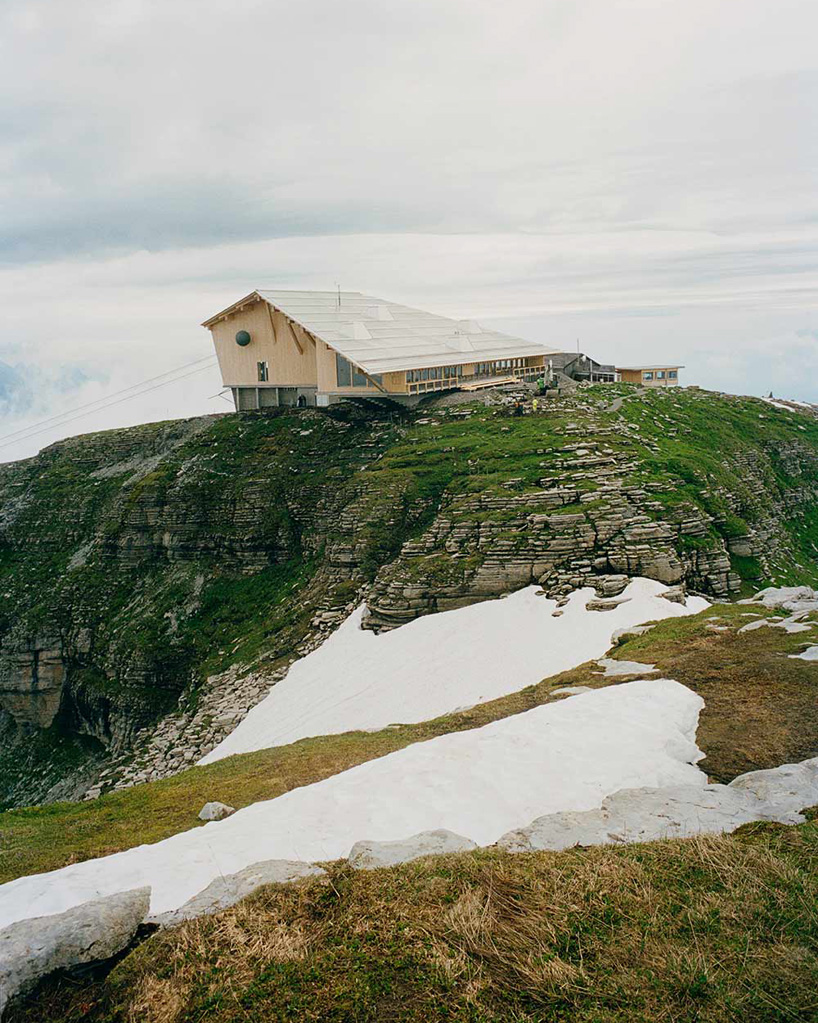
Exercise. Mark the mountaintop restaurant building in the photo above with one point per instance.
(317, 347)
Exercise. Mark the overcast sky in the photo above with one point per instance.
(638, 175)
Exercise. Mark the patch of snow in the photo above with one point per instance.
(810, 654)
(614, 668)
(571, 690)
(567, 755)
(357, 680)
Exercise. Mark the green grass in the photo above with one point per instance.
(221, 553)
(761, 710)
(712, 929)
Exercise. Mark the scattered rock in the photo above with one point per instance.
(791, 598)
(94, 931)
(790, 625)
(368, 855)
(215, 811)
(226, 891)
(611, 585)
(603, 605)
(622, 635)
(675, 594)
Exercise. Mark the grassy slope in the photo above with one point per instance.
(761, 710)
(708, 929)
(162, 620)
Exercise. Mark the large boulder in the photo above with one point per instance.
(368, 855)
(228, 890)
(93, 931)
(649, 814)
(789, 787)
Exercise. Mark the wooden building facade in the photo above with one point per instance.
(314, 348)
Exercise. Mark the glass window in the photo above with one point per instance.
(672, 374)
(377, 378)
(660, 375)
(343, 371)
(262, 372)
(647, 376)
(358, 378)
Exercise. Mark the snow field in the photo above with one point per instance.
(440, 663)
(480, 783)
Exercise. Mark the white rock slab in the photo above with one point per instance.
(810, 654)
(646, 815)
(227, 891)
(792, 598)
(791, 786)
(790, 625)
(31, 949)
(369, 855)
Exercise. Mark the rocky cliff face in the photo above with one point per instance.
(156, 581)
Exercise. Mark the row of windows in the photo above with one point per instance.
(499, 366)
(439, 384)
(434, 373)
(660, 374)
(348, 375)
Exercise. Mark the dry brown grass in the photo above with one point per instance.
(157, 1000)
(711, 930)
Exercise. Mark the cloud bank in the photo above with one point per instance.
(638, 173)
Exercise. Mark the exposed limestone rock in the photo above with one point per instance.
(228, 890)
(94, 931)
(648, 814)
(215, 811)
(791, 598)
(622, 635)
(368, 855)
(791, 786)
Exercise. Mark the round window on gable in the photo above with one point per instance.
(242, 338)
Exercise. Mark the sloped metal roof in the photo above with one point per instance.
(382, 337)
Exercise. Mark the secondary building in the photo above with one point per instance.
(649, 376)
(579, 367)
(317, 347)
